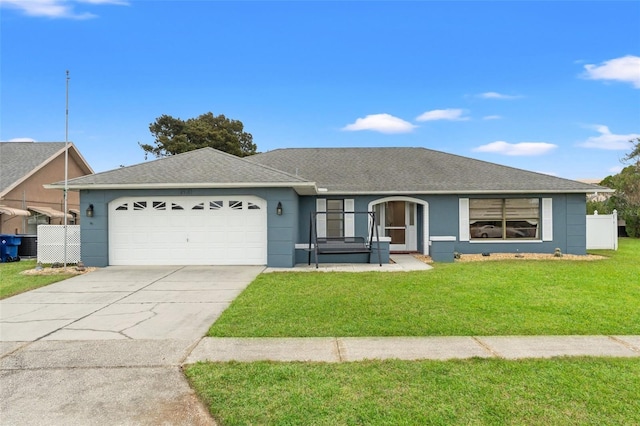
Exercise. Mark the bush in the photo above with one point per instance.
(632, 220)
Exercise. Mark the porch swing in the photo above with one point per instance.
(345, 244)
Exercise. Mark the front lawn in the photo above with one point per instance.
(510, 297)
(563, 391)
(12, 282)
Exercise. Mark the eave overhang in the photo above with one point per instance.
(301, 188)
(471, 192)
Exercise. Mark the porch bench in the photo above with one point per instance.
(340, 245)
(328, 245)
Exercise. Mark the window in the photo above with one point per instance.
(505, 219)
(215, 205)
(34, 220)
(335, 218)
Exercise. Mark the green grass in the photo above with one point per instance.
(563, 391)
(460, 299)
(12, 282)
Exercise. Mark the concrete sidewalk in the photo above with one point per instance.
(343, 349)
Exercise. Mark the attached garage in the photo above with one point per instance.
(188, 230)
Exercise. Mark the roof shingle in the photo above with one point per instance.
(409, 170)
(205, 166)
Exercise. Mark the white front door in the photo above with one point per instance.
(398, 221)
(188, 230)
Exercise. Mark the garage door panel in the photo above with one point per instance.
(188, 231)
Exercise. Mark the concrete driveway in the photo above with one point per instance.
(106, 347)
(142, 302)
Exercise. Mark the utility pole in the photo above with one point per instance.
(66, 168)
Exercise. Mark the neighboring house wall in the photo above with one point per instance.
(31, 192)
(282, 231)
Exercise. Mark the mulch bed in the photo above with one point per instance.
(58, 271)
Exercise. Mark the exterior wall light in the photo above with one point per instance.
(279, 209)
(89, 211)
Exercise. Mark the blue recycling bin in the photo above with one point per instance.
(9, 247)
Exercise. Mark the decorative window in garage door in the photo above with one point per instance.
(141, 205)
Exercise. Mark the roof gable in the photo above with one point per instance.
(410, 170)
(20, 160)
(205, 167)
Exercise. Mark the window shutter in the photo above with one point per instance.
(463, 213)
(349, 218)
(547, 219)
(321, 219)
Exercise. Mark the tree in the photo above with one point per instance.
(626, 199)
(175, 136)
(634, 155)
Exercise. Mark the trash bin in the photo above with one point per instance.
(9, 248)
(28, 248)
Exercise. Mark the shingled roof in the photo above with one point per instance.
(410, 171)
(19, 160)
(333, 171)
(201, 168)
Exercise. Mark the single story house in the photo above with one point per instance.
(209, 207)
(24, 168)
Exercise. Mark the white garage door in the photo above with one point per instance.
(229, 230)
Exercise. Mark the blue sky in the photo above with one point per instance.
(552, 87)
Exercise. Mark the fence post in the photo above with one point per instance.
(614, 218)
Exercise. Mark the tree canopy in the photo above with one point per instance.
(175, 136)
(626, 199)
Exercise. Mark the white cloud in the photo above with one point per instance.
(626, 69)
(615, 170)
(517, 149)
(22, 140)
(492, 117)
(608, 140)
(56, 8)
(452, 114)
(496, 95)
(383, 123)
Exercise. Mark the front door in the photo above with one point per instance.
(399, 220)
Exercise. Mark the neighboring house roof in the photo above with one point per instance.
(411, 171)
(20, 160)
(201, 168)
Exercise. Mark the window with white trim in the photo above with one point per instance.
(504, 218)
(335, 218)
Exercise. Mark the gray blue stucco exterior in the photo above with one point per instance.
(439, 187)
(288, 234)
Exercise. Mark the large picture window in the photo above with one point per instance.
(504, 218)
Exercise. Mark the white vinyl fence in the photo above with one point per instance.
(602, 231)
(51, 248)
